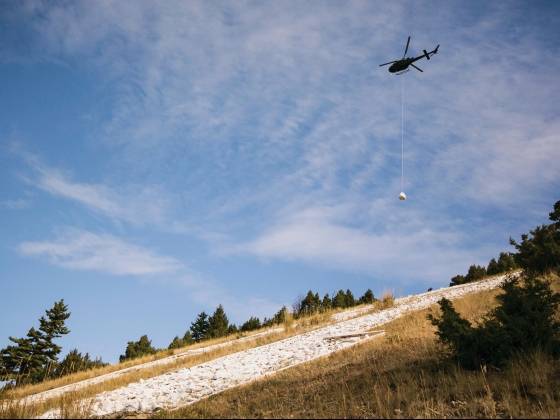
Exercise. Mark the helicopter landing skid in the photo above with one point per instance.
(402, 72)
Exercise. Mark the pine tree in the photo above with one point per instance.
(138, 348)
(232, 329)
(458, 279)
(368, 297)
(34, 358)
(218, 323)
(199, 328)
(476, 272)
(252, 323)
(74, 361)
(350, 301)
(326, 303)
(539, 251)
(188, 339)
(310, 304)
(506, 262)
(53, 326)
(339, 301)
(525, 320)
(177, 343)
(281, 316)
(493, 268)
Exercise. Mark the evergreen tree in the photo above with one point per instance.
(368, 297)
(525, 320)
(232, 329)
(539, 251)
(199, 328)
(458, 279)
(34, 358)
(350, 301)
(138, 348)
(554, 215)
(310, 304)
(53, 326)
(188, 339)
(177, 343)
(476, 272)
(326, 303)
(506, 262)
(218, 323)
(493, 268)
(76, 362)
(281, 316)
(252, 323)
(339, 301)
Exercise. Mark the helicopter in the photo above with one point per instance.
(401, 66)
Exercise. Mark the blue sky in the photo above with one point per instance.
(160, 158)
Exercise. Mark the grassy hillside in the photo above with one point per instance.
(403, 375)
(10, 407)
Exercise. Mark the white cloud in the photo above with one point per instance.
(83, 250)
(245, 110)
(318, 236)
(16, 204)
(137, 205)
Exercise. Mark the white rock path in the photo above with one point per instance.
(59, 391)
(188, 385)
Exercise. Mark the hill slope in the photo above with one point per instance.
(189, 385)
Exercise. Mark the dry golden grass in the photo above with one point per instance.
(10, 407)
(401, 376)
(26, 390)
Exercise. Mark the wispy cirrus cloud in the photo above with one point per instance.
(16, 204)
(244, 110)
(83, 250)
(320, 236)
(134, 204)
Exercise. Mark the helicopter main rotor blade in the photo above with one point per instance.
(390, 62)
(406, 49)
(417, 68)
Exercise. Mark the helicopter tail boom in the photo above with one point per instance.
(426, 54)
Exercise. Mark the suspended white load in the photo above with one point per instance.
(402, 196)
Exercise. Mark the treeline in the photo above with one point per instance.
(506, 262)
(312, 302)
(207, 327)
(34, 358)
(526, 318)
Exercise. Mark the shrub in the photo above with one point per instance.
(387, 300)
(523, 321)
